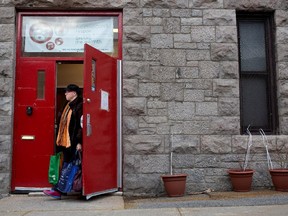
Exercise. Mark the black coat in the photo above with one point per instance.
(75, 129)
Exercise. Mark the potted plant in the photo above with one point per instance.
(278, 175)
(174, 184)
(241, 179)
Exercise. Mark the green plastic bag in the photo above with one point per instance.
(54, 165)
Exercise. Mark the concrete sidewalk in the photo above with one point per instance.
(39, 205)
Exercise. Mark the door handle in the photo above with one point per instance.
(88, 124)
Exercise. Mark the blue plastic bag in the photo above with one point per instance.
(67, 176)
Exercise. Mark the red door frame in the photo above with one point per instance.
(20, 59)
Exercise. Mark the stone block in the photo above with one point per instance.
(185, 144)
(208, 161)
(183, 161)
(173, 58)
(5, 179)
(136, 70)
(171, 91)
(157, 29)
(196, 127)
(206, 108)
(225, 125)
(143, 144)
(163, 128)
(216, 144)
(5, 125)
(152, 55)
(281, 18)
(282, 52)
(229, 70)
(132, 17)
(283, 106)
(5, 144)
(282, 35)
(137, 34)
(206, 4)
(130, 124)
(184, 38)
(203, 84)
(164, 4)
(5, 165)
(209, 69)
(153, 21)
(282, 68)
(161, 12)
(162, 41)
(225, 88)
(6, 106)
(163, 74)
(6, 51)
(181, 111)
(154, 164)
(7, 32)
(150, 184)
(187, 73)
(226, 34)
(219, 17)
(156, 104)
(180, 12)
(193, 95)
(132, 52)
(130, 87)
(149, 89)
(224, 52)
(198, 55)
(256, 5)
(154, 119)
(203, 34)
(172, 25)
(134, 106)
(229, 106)
(7, 15)
(283, 88)
(6, 70)
(192, 21)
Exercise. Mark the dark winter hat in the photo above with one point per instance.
(73, 87)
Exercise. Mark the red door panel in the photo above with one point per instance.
(99, 123)
(33, 136)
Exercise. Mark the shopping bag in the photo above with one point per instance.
(53, 171)
(67, 176)
(77, 183)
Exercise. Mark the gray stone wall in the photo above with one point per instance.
(180, 89)
(7, 64)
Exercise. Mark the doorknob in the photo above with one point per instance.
(88, 100)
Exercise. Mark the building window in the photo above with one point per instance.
(257, 72)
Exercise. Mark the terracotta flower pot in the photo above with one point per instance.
(175, 184)
(280, 179)
(241, 180)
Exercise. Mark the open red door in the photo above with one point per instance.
(99, 123)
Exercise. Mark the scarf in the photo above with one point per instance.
(63, 137)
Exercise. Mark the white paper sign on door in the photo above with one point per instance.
(104, 100)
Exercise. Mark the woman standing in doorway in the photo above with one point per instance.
(69, 138)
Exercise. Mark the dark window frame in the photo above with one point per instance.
(272, 116)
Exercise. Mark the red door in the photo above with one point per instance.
(99, 123)
(33, 124)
